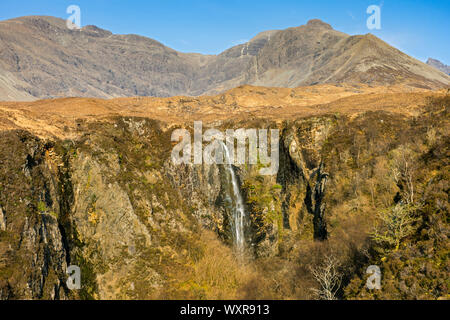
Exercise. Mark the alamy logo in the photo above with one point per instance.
(74, 21)
(374, 21)
(221, 147)
(374, 281)
(74, 280)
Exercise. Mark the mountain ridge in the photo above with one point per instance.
(439, 65)
(41, 58)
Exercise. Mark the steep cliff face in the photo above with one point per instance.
(113, 203)
(33, 251)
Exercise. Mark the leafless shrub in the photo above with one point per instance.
(329, 278)
(403, 171)
(431, 136)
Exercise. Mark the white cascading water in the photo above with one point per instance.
(238, 209)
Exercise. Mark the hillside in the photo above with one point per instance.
(57, 118)
(41, 58)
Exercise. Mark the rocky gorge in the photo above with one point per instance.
(110, 201)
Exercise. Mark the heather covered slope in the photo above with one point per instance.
(41, 58)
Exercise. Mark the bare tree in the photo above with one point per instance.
(329, 278)
(431, 136)
(403, 172)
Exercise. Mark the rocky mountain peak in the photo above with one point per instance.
(317, 23)
(439, 65)
(96, 31)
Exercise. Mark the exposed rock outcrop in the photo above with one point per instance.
(439, 65)
(315, 203)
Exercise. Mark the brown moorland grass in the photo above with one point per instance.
(58, 117)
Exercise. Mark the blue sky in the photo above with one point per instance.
(419, 28)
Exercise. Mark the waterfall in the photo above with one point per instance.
(238, 211)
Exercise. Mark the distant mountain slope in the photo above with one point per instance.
(56, 61)
(439, 65)
(316, 53)
(41, 58)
